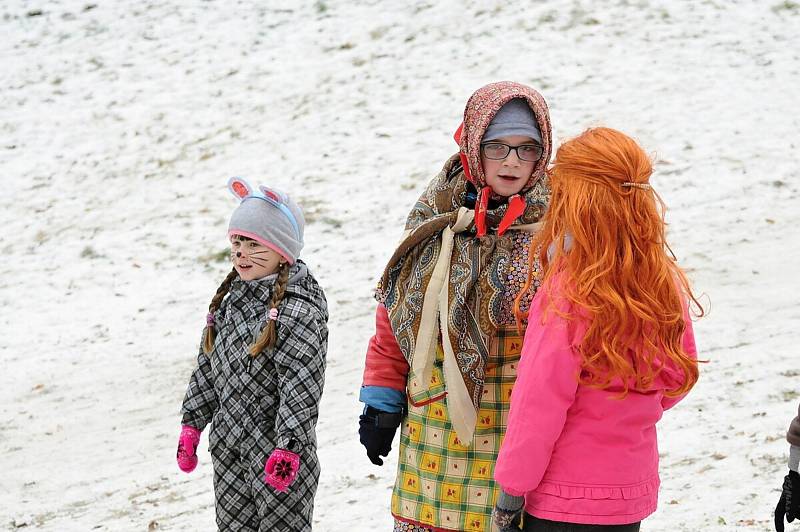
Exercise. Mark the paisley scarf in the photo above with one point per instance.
(444, 282)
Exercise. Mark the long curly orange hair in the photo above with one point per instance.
(617, 268)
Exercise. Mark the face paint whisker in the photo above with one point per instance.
(259, 262)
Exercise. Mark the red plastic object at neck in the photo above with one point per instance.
(480, 210)
(516, 206)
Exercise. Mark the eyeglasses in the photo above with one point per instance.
(498, 151)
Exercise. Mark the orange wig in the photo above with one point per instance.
(621, 274)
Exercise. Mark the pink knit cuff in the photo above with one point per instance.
(190, 431)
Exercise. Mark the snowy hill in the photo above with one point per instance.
(120, 123)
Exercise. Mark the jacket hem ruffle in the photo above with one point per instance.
(600, 505)
(578, 491)
(585, 519)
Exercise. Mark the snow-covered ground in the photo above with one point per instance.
(121, 121)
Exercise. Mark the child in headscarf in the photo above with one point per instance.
(444, 356)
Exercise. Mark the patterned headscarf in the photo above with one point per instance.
(444, 283)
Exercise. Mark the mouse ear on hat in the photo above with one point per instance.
(274, 195)
(239, 187)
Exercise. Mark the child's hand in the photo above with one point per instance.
(507, 514)
(789, 503)
(281, 469)
(376, 432)
(187, 447)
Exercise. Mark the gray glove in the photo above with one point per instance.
(507, 514)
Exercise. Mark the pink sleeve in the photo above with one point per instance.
(385, 365)
(545, 389)
(691, 349)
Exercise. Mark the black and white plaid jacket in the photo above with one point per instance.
(271, 400)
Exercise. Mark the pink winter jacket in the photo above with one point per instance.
(576, 453)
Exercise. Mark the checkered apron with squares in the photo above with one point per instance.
(442, 483)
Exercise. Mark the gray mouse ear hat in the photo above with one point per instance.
(269, 217)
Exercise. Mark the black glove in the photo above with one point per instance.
(376, 432)
(789, 503)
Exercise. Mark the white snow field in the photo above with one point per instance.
(121, 121)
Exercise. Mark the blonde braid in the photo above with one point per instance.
(269, 333)
(208, 339)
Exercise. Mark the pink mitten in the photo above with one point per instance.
(187, 445)
(281, 469)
